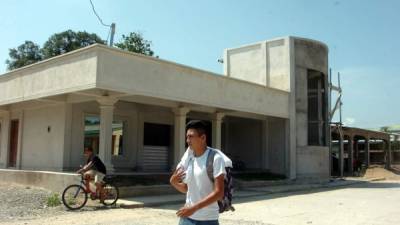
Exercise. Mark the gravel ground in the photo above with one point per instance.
(27, 205)
(372, 203)
(24, 203)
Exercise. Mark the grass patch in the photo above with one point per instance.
(53, 200)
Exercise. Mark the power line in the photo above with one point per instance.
(98, 17)
(112, 26)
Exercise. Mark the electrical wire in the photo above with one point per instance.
(98, 17)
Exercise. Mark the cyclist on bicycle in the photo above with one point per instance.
(94, 170)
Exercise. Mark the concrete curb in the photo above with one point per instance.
(151, 201)
(377, 179)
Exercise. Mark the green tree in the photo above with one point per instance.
(67, 41)
(384, 129)
(60, 43)
(23, 55)
(135, 42)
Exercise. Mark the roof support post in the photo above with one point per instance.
(4, 138)
(351, 154)
(179, 133)
(216, 130)
(367, 152)
(106, 120)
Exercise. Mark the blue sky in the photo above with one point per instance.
(362, 35)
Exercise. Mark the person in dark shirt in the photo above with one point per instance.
(94, 170)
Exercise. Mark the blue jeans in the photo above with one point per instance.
(188, 221)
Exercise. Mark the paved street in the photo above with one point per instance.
(375, 203)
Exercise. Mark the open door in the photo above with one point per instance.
(12, 159)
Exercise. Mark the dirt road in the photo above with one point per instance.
(374, 203)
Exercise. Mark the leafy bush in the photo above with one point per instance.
(53, 200)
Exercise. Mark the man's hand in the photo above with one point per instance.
(176, 180)
(186, 211)
(177, 176)
(82, 169)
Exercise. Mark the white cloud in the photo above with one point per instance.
(348, 121)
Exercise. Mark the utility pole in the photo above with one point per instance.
(112, 34)
(338, 125)
(340, 97)
(330, 120)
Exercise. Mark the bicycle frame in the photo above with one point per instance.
(85, 185)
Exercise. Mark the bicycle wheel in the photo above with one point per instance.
(74, 197)
(111, 194)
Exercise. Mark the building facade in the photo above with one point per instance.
(268, 111)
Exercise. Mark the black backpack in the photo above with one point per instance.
(225, 204)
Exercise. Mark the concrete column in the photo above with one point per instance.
(388, 155)
(341, 153)
(4, 138)
(264, 146)
(67, 137)
(291, 130)
(351, 155)
(366, 152)
(179, 134)
(290, 149)
(20, 138)
(106, 120)
(356, 152)
(216, 130)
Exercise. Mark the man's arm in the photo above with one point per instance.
(176, 180)
(214, 196)
(86, 167)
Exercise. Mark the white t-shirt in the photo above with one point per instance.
(200, 185)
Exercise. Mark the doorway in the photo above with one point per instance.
(12, 159)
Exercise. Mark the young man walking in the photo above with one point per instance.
(191, 177)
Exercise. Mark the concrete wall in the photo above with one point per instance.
(57, 182)
(42, 138)
(247, 63)
(311, 54)
(277, 145)
(63, 74)
(1, 138)
(244, 141)
(266, 63)
(147, 76)
(49, 180)
(312, 161)
(283, 63)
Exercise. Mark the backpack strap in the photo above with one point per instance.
(210, 164)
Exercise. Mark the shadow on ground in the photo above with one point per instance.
(263, 195)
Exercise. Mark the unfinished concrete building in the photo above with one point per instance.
(361, 148)
(268, 111)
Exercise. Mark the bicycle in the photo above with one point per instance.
(75, 196)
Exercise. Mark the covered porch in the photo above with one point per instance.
(361, 148)
(132, 109)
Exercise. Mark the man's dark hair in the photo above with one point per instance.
(89, 149)
(197, 125)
